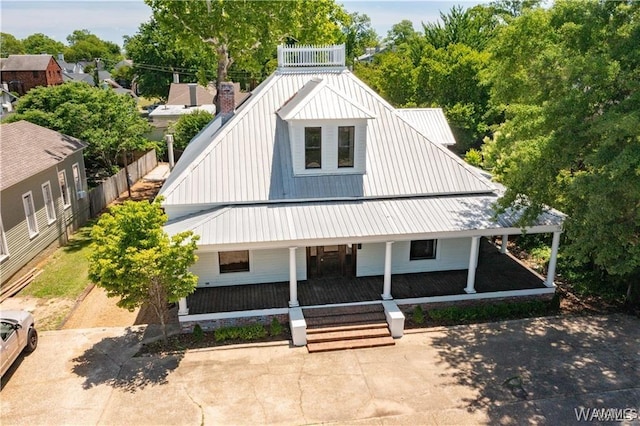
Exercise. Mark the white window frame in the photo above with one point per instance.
(49, 204)
(4, 248)
(77, 177)
(63, 173)
(28, 203)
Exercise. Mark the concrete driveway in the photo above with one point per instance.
(516, 372)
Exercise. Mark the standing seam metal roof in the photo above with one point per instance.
(249, 159)
(268, 223)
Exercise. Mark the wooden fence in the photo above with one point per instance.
(115, 185)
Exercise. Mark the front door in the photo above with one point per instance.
(331, 261)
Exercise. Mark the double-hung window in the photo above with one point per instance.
(345, 145)
(233, 261)
(48, 202)
(30, 214)
(64, 188)
(313, 147)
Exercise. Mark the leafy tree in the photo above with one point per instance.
(246, 33)
(473, 27)
(123, 76)
(188, 126)
(359, 35)
(156, 54)
(39, 43)
(9, 45)
(449, 77)
(84, 46)
(134, 259)
(401, 32)
(108, 122)
(568, 80)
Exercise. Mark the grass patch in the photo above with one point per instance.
(65, 274)
(245, 333)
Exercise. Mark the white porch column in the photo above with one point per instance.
(503, 246)
(293, 281)
(182, 306)
(386, 291)
(473, 263)
(551, 271)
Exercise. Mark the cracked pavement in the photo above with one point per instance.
(513, 372)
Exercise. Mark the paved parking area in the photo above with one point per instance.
(516, 372)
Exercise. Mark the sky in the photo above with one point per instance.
(111, 20)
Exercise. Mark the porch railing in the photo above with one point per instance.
(311, 56)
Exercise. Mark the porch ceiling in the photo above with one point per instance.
(364, 220)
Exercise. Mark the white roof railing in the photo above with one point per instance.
(311, 56)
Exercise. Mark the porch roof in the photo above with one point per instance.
(287, 224)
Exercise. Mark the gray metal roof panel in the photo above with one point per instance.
(263, 223)
(431, 122)
(248, 159)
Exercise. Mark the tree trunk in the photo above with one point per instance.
(158, 300)
(223, 68)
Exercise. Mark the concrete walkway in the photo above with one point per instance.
(518, 372)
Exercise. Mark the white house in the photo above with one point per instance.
(316, 175)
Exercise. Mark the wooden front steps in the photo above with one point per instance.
(346, 327)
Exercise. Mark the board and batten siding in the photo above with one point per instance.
(265, 266)
(451, 254)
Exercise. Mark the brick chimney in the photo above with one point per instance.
(227, 100)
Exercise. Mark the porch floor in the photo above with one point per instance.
(495, 272)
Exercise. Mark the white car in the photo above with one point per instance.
(18, 333)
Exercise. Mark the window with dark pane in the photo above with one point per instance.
(346, 136)
(233, 261)
(313, 147)
(422, 249)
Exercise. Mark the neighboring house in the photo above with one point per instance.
(24, 72)
(112, 84)
(78, 77)
(371, 52)
(318, 187)
(69, 67)
(185, 98)
(6, 100)
(43, 189)
(123, 63)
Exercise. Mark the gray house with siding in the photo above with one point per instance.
(318, 186)
(43, 192)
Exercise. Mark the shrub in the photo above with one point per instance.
(418, 315)
(473, 157)
(247, 332)
(276, 328)
(198, 334)
(504, 310)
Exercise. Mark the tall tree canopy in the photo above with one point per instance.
(108, 122)
(157, 54)
(568, 80)
(247, 33)
(85, 46)
(38, 43)
(134, 259)
(9, 45)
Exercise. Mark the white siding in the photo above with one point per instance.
(451, 254)
(265, 266)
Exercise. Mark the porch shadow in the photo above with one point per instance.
(495, 272)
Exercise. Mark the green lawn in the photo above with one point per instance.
(65, 274)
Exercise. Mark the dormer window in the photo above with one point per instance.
(313, 147)
(346, 139)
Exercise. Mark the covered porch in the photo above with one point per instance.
(496, 273)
